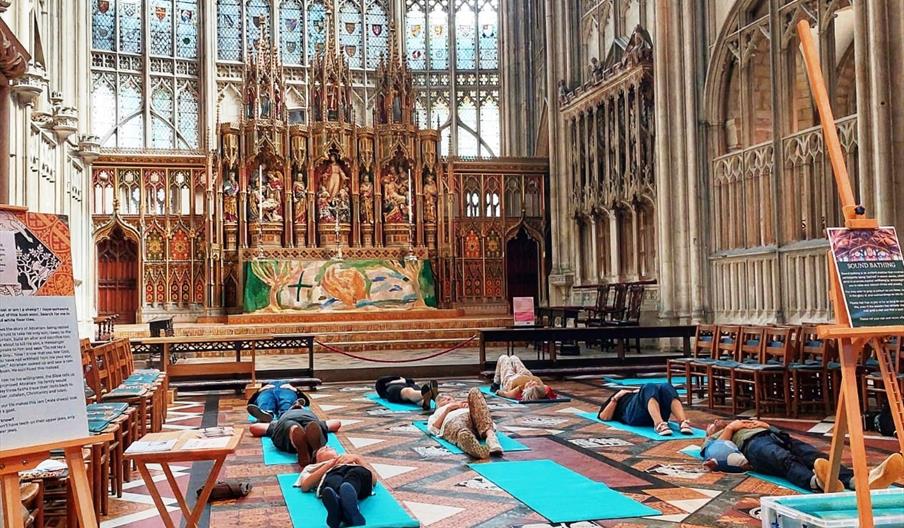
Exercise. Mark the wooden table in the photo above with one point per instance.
(177, 454)
(616, 333)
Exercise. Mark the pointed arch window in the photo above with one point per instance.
(376, 24)
(291, 32)
(350, 41)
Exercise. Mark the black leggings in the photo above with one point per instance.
(358, 476)
(393, 391)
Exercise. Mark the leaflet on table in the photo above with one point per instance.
(151, 446)
(207, 443)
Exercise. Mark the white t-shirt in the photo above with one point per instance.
(431, 422)
(307, 470)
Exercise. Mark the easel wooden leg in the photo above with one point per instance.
(12, 500)
(81, 491)
(849, 353)
(155, 494)
(205, 492)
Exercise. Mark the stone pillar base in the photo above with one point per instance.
(397, 235)
(430, 237)
(231, 231)
(301, 235)
(367, 235)
(265, 234)
(327, 235)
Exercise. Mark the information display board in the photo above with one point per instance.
(870, 270)
(523, 308)
(42, 397)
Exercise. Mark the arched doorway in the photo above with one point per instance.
(522, 266)
(117, 276)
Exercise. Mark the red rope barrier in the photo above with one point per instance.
(430, 356)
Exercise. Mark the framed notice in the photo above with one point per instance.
(42, 394)
(523, 307)
(870, 270)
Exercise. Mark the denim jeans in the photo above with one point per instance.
(276, 400)
(780, 455)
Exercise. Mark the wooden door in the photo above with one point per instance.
(522, 267)
(117, 277)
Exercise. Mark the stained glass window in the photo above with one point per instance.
(161, 22)
(487, 23)
(188, 113)
(130, 102)
(162, 115)
(416, 36)
(291, 31)
(316, 28)
(186, 14)
(102, 92)
(470, 126)
(130, 26)
(376, 25)
(465, 39)
(103, 22)
(439, 38)
(229, 30)
(257, 20)
(350, 33)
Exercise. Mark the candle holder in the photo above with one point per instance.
(338, 256)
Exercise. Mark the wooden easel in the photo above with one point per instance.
(851, 341)
(14, 461)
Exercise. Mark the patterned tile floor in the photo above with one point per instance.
(439, 489)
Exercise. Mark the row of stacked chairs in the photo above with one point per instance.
(120, 400)
(772, 368)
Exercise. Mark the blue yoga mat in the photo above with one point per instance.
(273, 456)
(396, 407)
(566, 497)
(486, 390)
(507, 443)
(646, 432)
(637, 382)
(694, 451)
(380, 510)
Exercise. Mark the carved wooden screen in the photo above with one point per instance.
(489, 202)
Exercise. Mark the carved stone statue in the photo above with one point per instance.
(430, 192)
(300, 199)
(272, 202)
(324, 208)
(367, 200)
(230, 205)
(334, 178)
(395, 210)
(254, 203)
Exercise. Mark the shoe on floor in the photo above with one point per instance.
(348, 500)
(300, 443)
(333, 508)
(663, 429)
(686, 428)
(259, 414)
(888, 472)
(314, 438)
(821, 469)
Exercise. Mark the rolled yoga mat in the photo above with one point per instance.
(306, 510)
(486, 390)
(647, 432)
(560, 494)
(507, 443)
(694, 451)
(396, 407)
(273, 456)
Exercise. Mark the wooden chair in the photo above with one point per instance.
(631, 314)
(101, 376)
(694, 368)
(718, 372)
(769, 375)
(742, 378)
(813, 374)
(872, 386)
(32, 497)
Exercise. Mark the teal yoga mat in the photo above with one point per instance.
(380, 510)
(273, 456)
(647, 432)
(507, 443)
(694, 451)
(566, 497)
(486, 390)
(396, 407)
(637, 382)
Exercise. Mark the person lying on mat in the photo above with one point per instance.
(772, 451)
(513, 380)
(274, 399)
(297, 431)
(464, 423)
(341, 481)
(398, 389)
(650, 405)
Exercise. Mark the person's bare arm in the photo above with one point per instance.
(514, 393)
(609, 410)
(258, 429)
(440, 414)
(739, 425)
(317, 475)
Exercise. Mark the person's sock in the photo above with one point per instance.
(349, 502)
(889, 471)
(333, 507)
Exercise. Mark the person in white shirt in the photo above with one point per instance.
(465, 423)
(340, 482)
